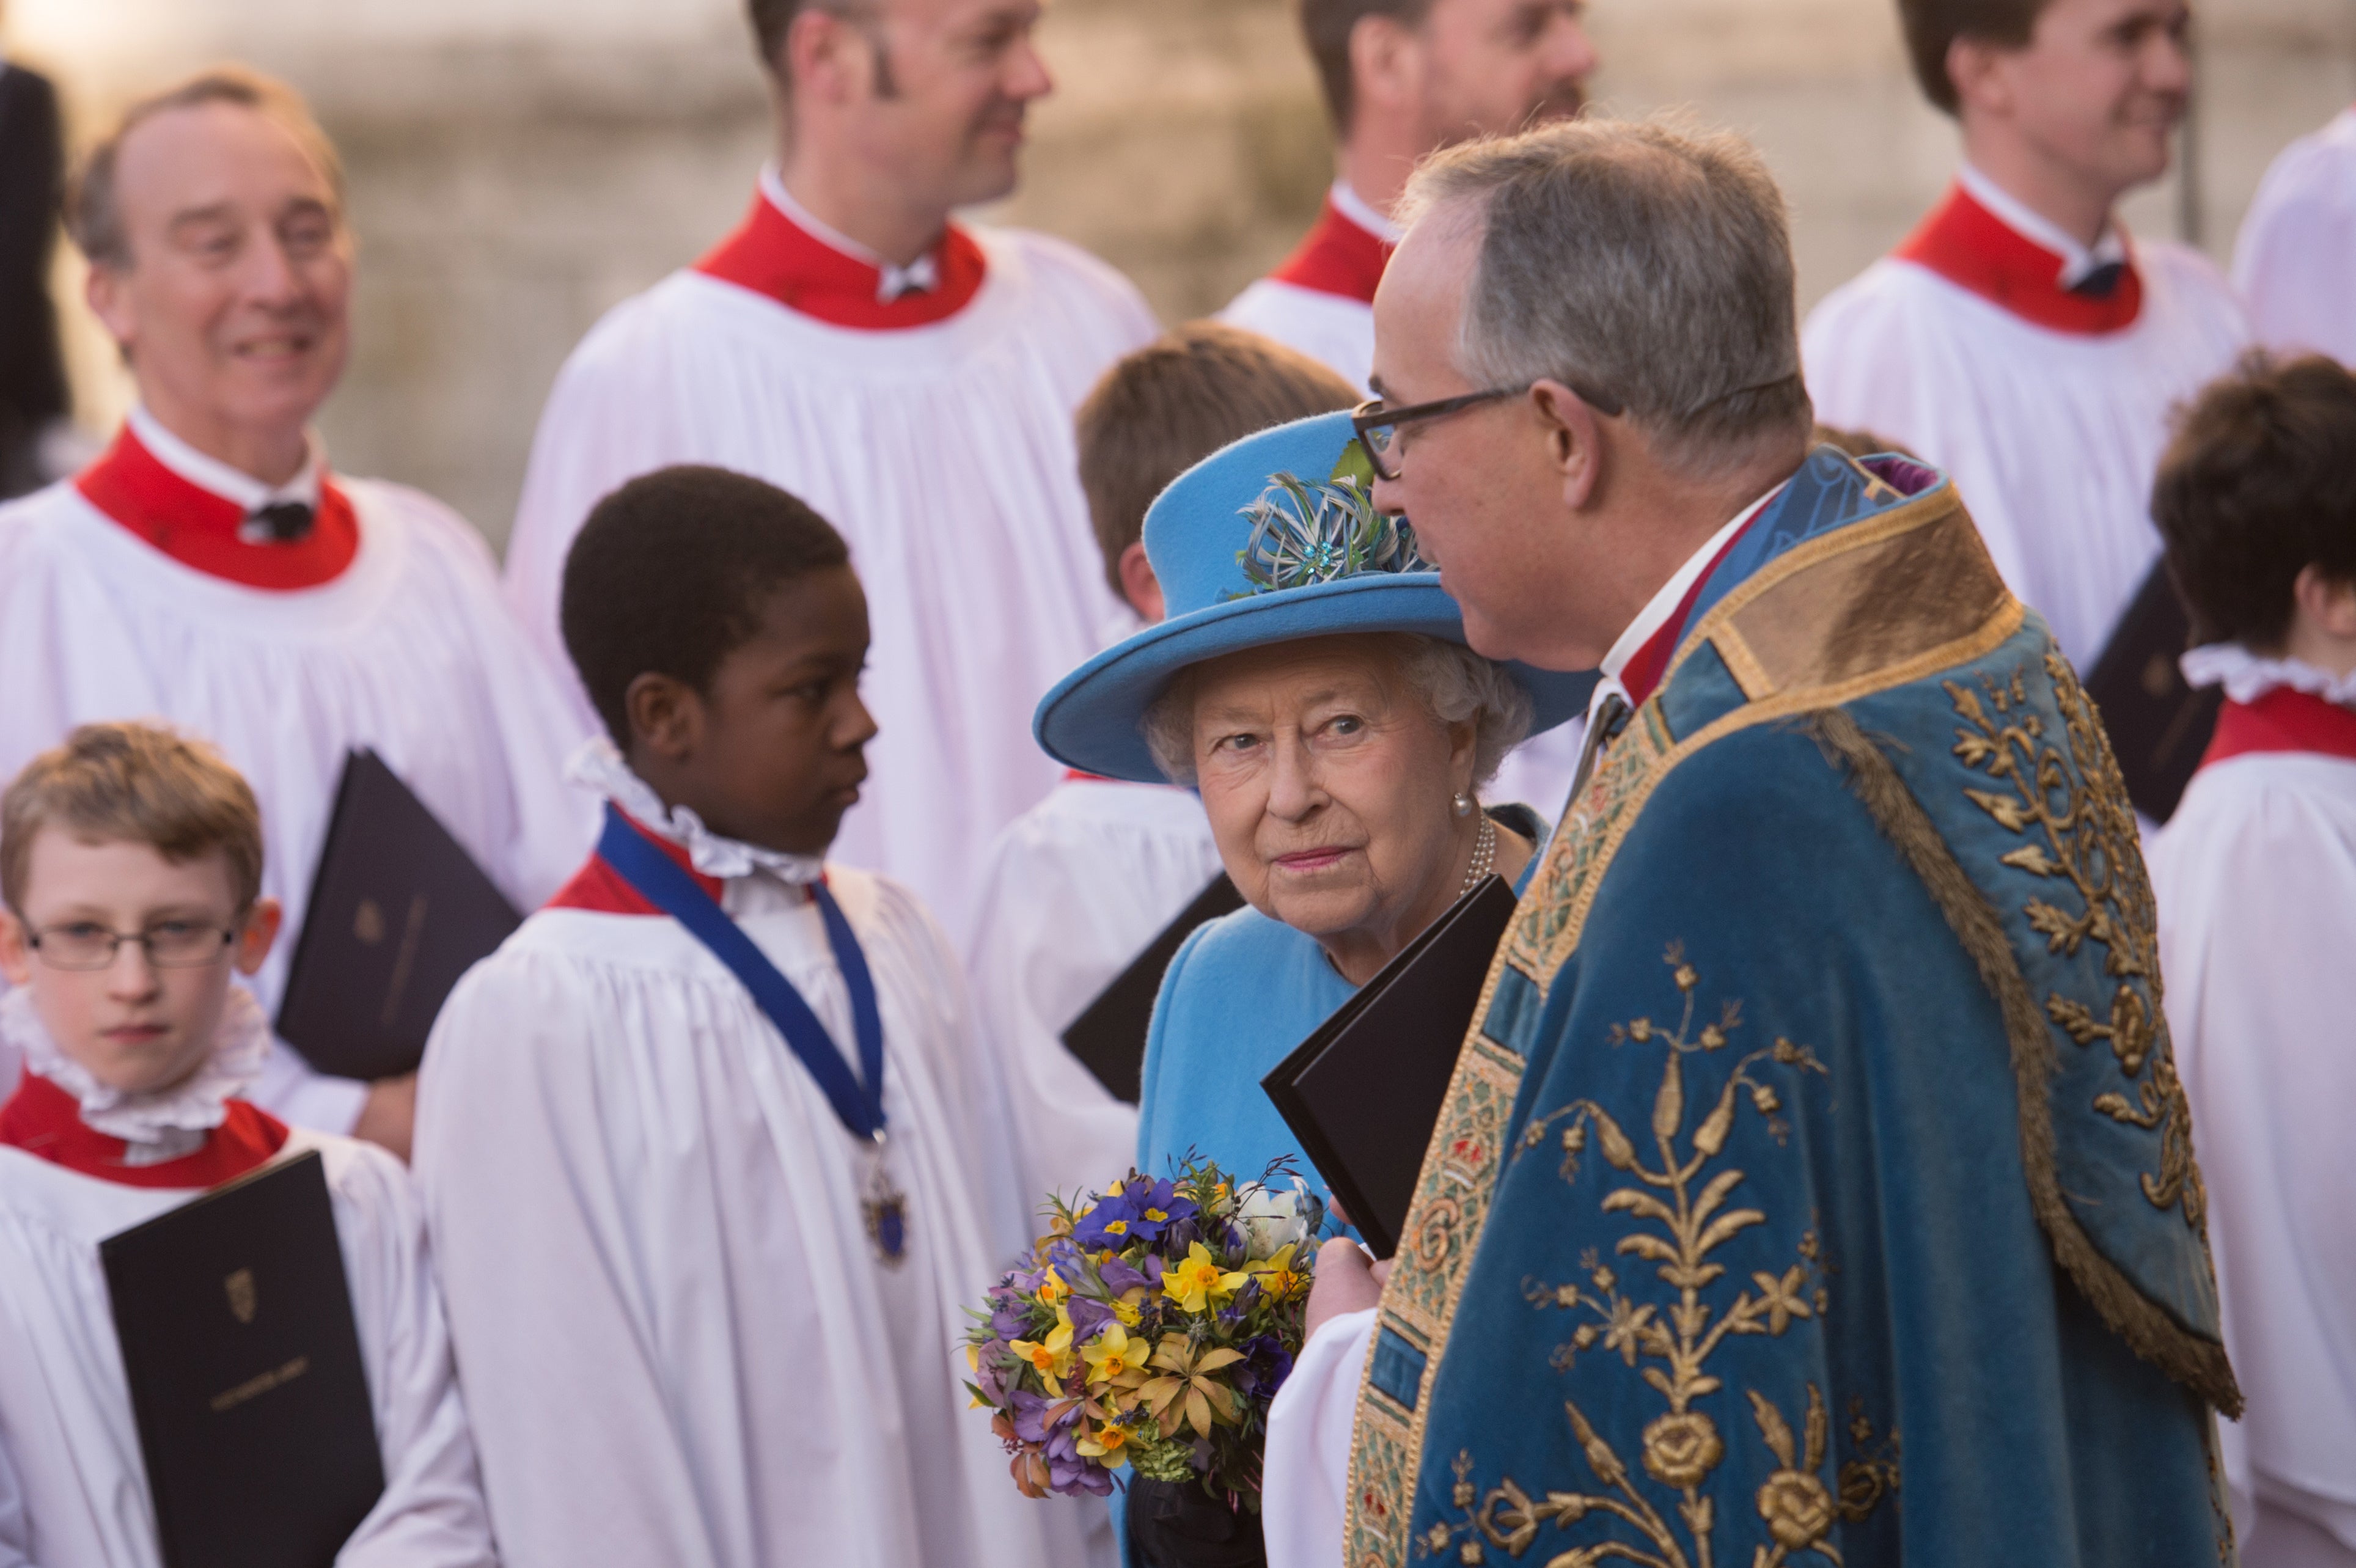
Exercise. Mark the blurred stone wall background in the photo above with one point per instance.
(517, 165)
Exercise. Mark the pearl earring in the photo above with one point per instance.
(1463, 804)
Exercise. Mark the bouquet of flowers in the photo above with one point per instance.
(1149, 1327)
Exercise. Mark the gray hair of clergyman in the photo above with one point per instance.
(1643, 258)
(1453, 683)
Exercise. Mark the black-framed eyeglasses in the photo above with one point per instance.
(1377, 427)
(170, 945)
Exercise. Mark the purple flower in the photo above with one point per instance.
(1153, 1271)
(1264, 1368)
(1157, 1208)
(991, 1381)
(1089, 1318)
(1120, 1279)
(1112, 1224)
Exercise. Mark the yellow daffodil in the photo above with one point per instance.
(1115, 1358)
(1053, 1364)
(1277, 1277)
(1052, 1289)
(1126, 1310)
(1105, 1445)
(1196, 1282)
(1059, 1338)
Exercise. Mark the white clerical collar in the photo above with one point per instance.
(1364, 213)
(599, 766)
(229, 483)
(1665, 600)
(2077, 261)
(153, 1128)
(2246, 676)
(921, 276)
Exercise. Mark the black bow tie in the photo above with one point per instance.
(281, 522)
(2099, 282)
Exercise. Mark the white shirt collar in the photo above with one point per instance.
(160, 1126)
(1362, 212)
(1665, 600)
(229, 483)
(599, 766)
(2077, 261)
(2246, 676)
(921, 276)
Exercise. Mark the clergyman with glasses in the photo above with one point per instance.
(1816, 1185)
(131, 863)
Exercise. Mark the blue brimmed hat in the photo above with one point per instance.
(1272, 538)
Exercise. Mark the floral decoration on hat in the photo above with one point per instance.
(1305, 533)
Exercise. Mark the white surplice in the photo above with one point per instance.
(1074, 889)
(410, 652)
(2256, 876)
(678, 1342)
(68, 1447)
(1305, 1469)
(944, 454)
(1335, 329)
(2052, 437)
(2295, 260)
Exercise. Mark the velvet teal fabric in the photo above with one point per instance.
(1770, 1035)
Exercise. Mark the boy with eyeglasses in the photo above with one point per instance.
(131, 865)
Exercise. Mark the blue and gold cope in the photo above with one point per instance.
(1816, 1184)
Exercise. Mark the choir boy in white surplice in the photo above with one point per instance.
(2295, 260)
(131, 862)
(209, 570)
(2019, 338)
(709, 1161)
(1401, 78)
(911, 378)
(2256, 879)
(1079, 885)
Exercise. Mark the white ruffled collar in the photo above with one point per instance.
(159, 1126)
(2246, 677)
(599, 766)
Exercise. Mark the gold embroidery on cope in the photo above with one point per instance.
(1681, 1207)
(2085, 835)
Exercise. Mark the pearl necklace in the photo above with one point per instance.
(1484, 855)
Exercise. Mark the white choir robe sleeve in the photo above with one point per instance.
(2256, 876)
(2295, 260)
(1073, 891)
(1305, 1472)
(675, 1342)
(66, 1426)
(1335, 330)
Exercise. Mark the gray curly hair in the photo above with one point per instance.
(1453, 683)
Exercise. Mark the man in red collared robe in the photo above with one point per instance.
(1402, 78)
(911, 378)
(2019, 338)
(210, 570)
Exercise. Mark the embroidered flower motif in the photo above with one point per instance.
(1305, 533)
(1681, 1447)
(1797, 1509)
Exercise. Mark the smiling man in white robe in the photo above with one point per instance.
(709, 1165)
(2020, 339)
(912, 378)
(210, 570)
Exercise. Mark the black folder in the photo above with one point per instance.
(398, 913)
(245, 1373)
(1364, 1091)
(2158, 724)
(1108, 1037)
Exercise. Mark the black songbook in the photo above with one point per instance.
(246, 1381)
(1108, 1037)
(398, 913)
(1363, 1092)
(2158, 724)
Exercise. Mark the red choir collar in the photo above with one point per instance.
(1339, 256)
(772, 255)
(42, 1119)
(2283, 720)
(199, 527)
(601, 890)
(1973, 248)
(1642, 674)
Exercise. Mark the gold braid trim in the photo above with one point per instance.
(2198, 1364)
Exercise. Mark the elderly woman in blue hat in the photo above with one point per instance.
(1312, 682)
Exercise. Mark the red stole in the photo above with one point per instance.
(199, 530)
(2283, 720)
(773, 256)
(42, 1119)
(1646, 667)
(1973, 248)
(1337, 257)
(600, 889)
